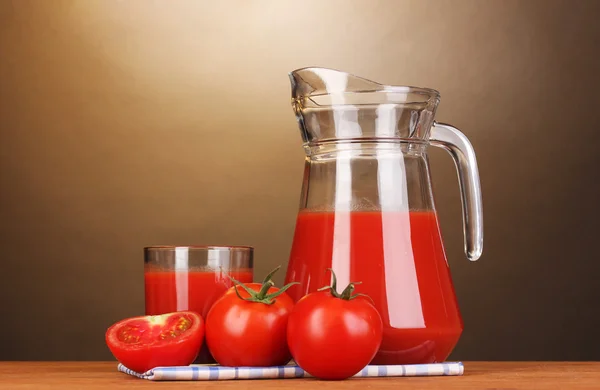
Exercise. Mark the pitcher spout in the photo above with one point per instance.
(333, 105)
(315, 81)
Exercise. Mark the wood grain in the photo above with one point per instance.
(478, 375)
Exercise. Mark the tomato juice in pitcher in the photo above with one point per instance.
(367, 210)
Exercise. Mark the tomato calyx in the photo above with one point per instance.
(346, 293)
(262, 296)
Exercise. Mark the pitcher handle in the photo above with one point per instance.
(457, 144)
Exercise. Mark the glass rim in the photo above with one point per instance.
(199, 247)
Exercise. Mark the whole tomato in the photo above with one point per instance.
(334, 336)
(247, 325)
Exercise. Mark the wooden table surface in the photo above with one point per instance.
(478, 375)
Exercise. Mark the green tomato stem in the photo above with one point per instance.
(346, 293)
(262, 296)
(264, 290)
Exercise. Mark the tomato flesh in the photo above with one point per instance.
(153, 329)
(142, 343)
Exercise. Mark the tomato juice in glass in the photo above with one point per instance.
(400, 260)
(192, 278)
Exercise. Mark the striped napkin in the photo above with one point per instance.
(200, 372)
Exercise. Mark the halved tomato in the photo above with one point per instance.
(145, 342)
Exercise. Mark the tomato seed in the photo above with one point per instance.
(184, 323)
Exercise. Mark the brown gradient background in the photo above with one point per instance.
(130, 123)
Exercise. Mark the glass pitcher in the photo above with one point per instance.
(367, 208)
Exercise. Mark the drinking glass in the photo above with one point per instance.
(179, 278)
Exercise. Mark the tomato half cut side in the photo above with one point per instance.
(145, 342)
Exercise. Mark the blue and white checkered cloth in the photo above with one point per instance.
(199, 372)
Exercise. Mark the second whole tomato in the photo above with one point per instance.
(333, 336)
(247, 325)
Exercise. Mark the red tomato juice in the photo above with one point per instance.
(400, 260)
(169, 291)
